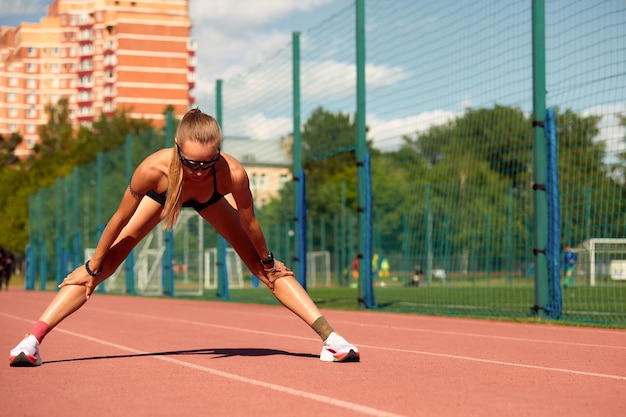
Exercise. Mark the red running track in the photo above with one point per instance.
(133, 356)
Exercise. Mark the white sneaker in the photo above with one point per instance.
(26, 353)
(337, 349)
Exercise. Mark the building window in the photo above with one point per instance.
(11, 97)
(31, 99)
(12, 127)
(263, 182)
(31, 67)
(31, 112)
(86, 34)
(31, 83)
(85, 81)
(32, 51)
(30, 143)
(30, 128)
(13, 81)
(283, 179)
(13, 112)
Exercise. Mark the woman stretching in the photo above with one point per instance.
(194, 173)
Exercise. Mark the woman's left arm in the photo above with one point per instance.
(245, 207)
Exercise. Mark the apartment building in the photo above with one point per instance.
(267, 162)
(102, 55)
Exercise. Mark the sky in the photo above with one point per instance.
(241, 33)
(418, 71)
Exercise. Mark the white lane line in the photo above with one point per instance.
(494, 362)
(358, 408)
(443, 355)
(405, 329)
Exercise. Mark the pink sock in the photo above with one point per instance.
(40, 330)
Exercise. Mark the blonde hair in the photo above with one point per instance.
(197, 127)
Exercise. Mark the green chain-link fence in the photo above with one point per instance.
(449, 105)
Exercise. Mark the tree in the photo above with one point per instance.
(7, 149)
(60, 150)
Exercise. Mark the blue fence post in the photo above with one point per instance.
(367, 281)
(302, 230)
(554, 306)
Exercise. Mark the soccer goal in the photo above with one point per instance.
(147, 268)
(318, 269)
(602, 259)
(234, 266)
(187, 263)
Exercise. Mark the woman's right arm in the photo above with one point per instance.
(146, 177)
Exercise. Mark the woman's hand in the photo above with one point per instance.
(80, 277)
(279, 271)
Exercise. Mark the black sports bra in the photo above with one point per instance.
(161, 197)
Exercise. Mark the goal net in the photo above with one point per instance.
(234, 266)
(187, 260)
(147, 268)
(318, 269)
(602, 260)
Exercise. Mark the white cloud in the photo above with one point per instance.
(238, 15)
(612, 133)
(387, 134)
(259, 126)
(23, 7)
(235, 36)
(221, 56)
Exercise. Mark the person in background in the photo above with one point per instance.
(384, 267)
(569, 262)
(355, 272)
(9, 268)
(193, 173)
(375, 262)
(4, 282)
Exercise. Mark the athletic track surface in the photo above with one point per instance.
(133, 356)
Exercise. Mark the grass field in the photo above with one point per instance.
(602, 306)
(596, 306)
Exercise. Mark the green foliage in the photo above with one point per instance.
(60, 150)
(462, 190)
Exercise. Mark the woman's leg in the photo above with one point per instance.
(225, 219)
(71, 297)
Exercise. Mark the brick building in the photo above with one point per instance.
(102, 55)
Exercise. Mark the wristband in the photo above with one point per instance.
(90, 272)
(269, 260)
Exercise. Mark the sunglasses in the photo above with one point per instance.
(195, 165)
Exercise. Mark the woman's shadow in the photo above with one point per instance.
(215, 353)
